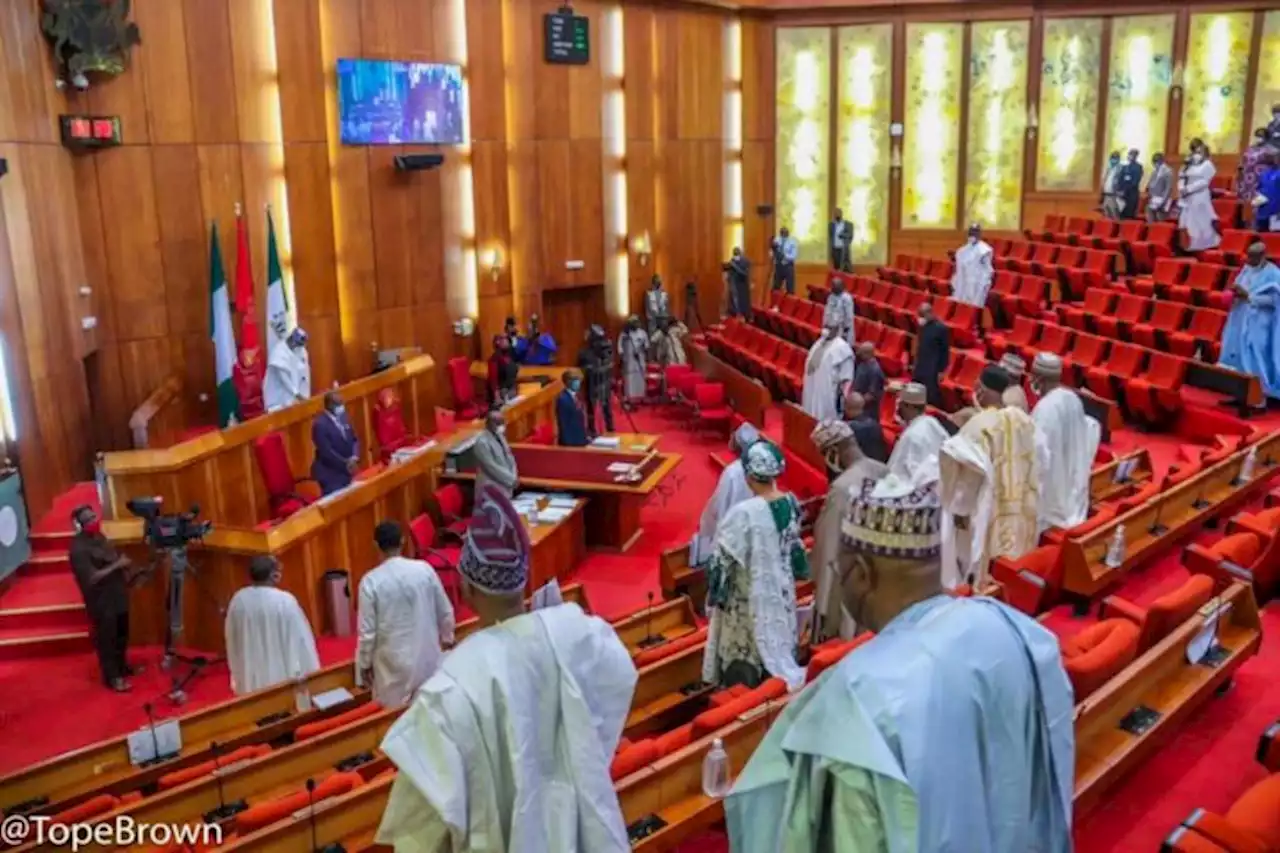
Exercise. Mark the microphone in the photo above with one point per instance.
(155, 741)
(311, 812)
(649, 638)
(215, 749)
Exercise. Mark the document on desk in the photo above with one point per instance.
(611, 442)
(619, 467)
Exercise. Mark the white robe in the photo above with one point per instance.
(507, 748)
(288, 378)
(972, 278)
(633, 349)
(828, 367)
(917, 449)
(404, 618)
(1072, 439)
(1197, 216)
(268, 639)
(731, 490)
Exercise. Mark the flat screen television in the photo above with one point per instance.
(384, 102)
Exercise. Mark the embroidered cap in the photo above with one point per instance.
(894, 523)
(764, 462)
(495, 550)
(1047, 364)
(913, 394)
(830, 434)
(1013, 364)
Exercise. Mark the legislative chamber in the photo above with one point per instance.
(672, 425)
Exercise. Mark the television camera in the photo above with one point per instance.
(169, 536)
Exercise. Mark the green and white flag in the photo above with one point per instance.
(224, 339)
(277, 300)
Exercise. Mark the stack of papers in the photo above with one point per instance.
(407, 453)
(620, 468)
(610, 441)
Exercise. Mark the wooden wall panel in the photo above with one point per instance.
(134, 266)
(164, 68)
(210, 60)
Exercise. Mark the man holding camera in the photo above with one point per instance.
(738, 272)
(595, 360)
(102, 574)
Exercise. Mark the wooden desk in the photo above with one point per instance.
(1102, 482)
(217, 470)
(747, 396)
(335, 533)
(557, 548)
(629, 442)
(797, 426)
(613, 508)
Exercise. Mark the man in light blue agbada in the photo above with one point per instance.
(949, 732)
(1251, 340)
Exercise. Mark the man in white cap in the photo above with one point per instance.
(836, 442)
(915, 454)
(288, 378)
(731, 490)
(950, 730)
(839, 310)
(827, 370)
(508, 745)
(989, 481)
(1251, 339)
(972, 279)
(1014, 395)
(1072, 439)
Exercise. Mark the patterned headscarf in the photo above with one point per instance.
(764, 462)
(894, 522)
(495, 551)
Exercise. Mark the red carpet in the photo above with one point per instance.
(51, 706)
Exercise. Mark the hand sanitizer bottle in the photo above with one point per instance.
(1115, 551)
(715, 771)
(301, 696)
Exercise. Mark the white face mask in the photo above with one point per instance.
(973, 238)
(1197, 158)
(826, 334)
(501, 430)
(339, 411)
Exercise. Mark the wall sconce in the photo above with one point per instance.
(895, 158)
(1175, 82)
(1033, 122)
(641, 248)
(492, 259)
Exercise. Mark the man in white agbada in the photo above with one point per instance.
(405, 618)
(836, 442)
(288, 378)
(269, 639)
(731, 490)
(1196, 215)
(989, 478)
(1072, 438)
(950, 731)
(1015, 395)
(972, 279)
(827, 370)
(915, 454)
(633, 353)
(507, 747)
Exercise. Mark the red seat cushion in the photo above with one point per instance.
(1098, 653)
(717, 718)
(204, 768)
(666, 650)
(830, 655)
(633, 758)
(265, 814)
(674, 740)
(310, 730)
(1174, 608)
(1258, 811)
(1243, 549)
(90, 808)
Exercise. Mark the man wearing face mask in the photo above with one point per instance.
(1129, 186)
(571, 418)
(1196, 218)
(915, 453)
(972, 279)
(785, 252)
(896, 746)
(1112, 205)
(841, 235)
(337, 448)
(288, 378)
(102, 574)
(839, 310)
(1159, 190)
(847, 467)
(933, 353)
(504, 371)
(495, 463)
(827, 371)
(269, 639)
(739, 272)
(1251, 339)
(868, 377)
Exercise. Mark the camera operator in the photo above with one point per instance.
(738, 276)
(101, 573)
(595, 360)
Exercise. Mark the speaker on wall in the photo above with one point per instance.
(764, 209)
(418, 162)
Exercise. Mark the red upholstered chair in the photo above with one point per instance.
(1129, 310)
(314, 730)
(1231, 251)
(1263, 524)
(464, 392)
(1031, 582)
(442, 558)
(451, 502)
(653, 654)
(1098, 302)
(1086, 351)
(1156, 394)
(1166, 318)
(831, 653)
(1203, 332)
(1251, 825)
(388, 426)
(1098, 653)
(267, 813)
(544, 434)
(1165, 613)
(204, 768)
(1238, 557)
(446, 421)
(1057, 535)
(1019, 339)
(87, 810)
(282, 487)
(712, 407)
(1124, 363)
(635, 757)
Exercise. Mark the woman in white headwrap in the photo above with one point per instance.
(751, 582)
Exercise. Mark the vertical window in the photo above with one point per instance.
(931, 152)
(865, 91)
(804, 133)
(997, 123)
(1068, 120)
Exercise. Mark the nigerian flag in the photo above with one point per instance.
(224, 339)
(277, 301)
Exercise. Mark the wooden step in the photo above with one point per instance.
(44, 562)
(52, 618)
(43, 645)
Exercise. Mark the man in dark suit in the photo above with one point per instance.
(337, 448)
(868, 377)
(571, 417)
(933, 353)
(866, 427)
(840, 236)
(1129, 186)
(102, 574)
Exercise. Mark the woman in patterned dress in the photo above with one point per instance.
(751, 592)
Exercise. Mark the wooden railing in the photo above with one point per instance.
(158, 421)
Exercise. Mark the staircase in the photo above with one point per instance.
(41, 611)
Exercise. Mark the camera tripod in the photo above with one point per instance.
(179, 565)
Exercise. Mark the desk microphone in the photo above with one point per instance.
(649, 639)
(155, 741)
(216, 750)
(311, 813)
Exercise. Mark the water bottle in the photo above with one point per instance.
(301, 696)
(1250, 463)
(715, 771)
(1115, 551)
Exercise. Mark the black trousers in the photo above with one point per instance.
(111, 639)
(840, 260)
(606, 408)
(784, 275)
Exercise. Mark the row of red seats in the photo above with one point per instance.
(1236, 241)
(1075, 268)
(1249, 552)
(1146, 383)
(926, 274)
(1153, 323)
(897, 306)
(800, 320)
(1183, 280)
(1139, 242)
(1012, 293)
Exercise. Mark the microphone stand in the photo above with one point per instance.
(311, 813)
(649, 639)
